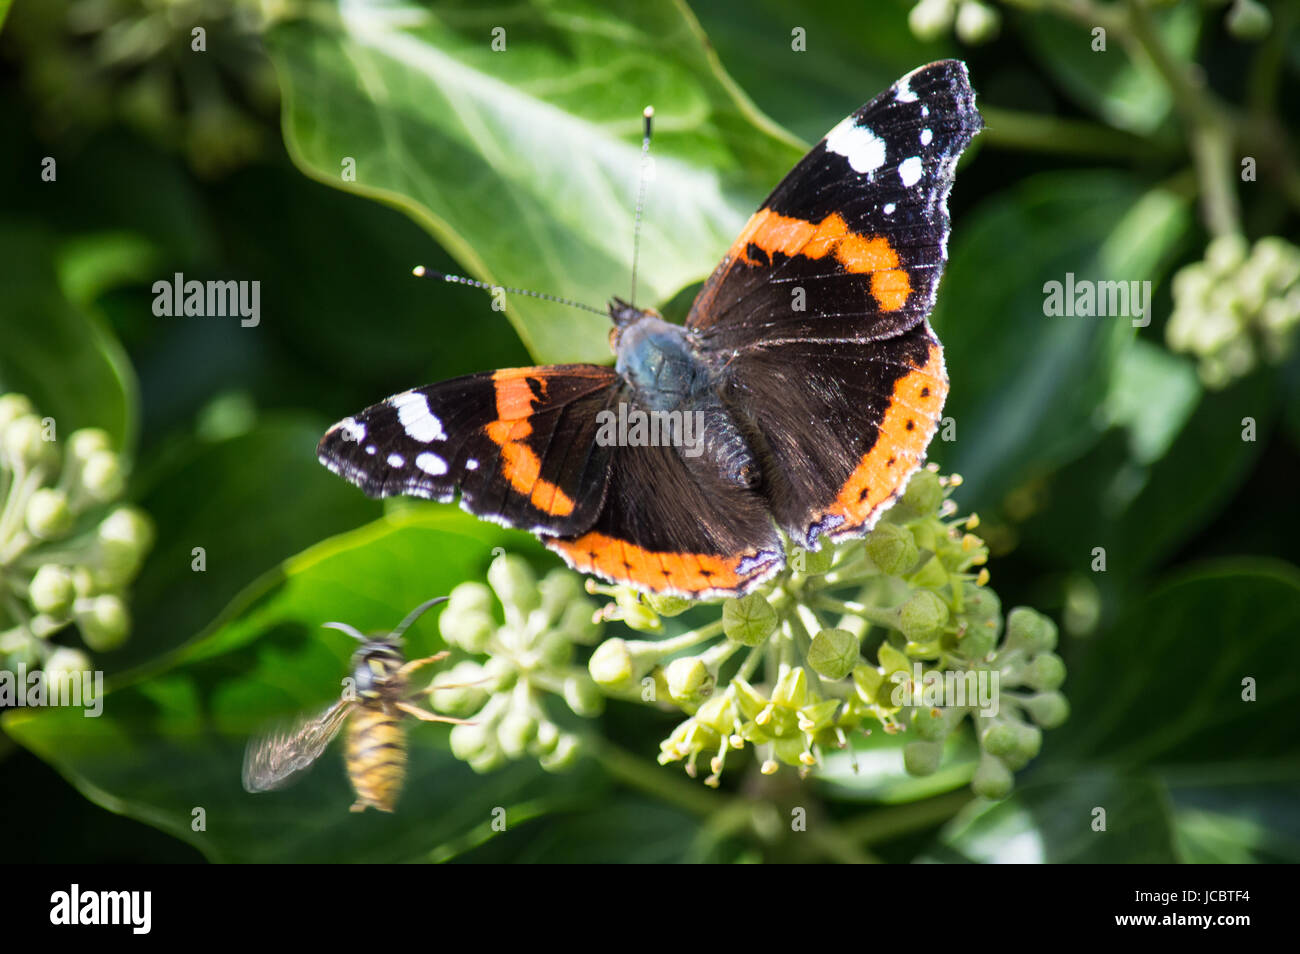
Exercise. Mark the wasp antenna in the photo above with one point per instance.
(421, 272)
(345, 628)
(649, 115)
(415, 614)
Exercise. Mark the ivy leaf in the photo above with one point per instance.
(516, 141)
(170, 742)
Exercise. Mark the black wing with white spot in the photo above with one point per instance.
(852, 243)
(519, 445)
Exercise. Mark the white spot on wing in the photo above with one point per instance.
(864, 150)
(417, 420)
(370, 449)
(396, 460)
(909, 170)
(889, 208)
(471, 464)
(926, 136)
(431, 464)
(353, 430)
(905, 94)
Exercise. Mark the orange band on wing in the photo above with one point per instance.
(691, 573)
(860, 254)
(519, 464)
(905, 432)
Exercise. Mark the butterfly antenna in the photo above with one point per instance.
(421, 272)
(649, 115)
(415, 614)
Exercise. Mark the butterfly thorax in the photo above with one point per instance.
(657, 360)
(376, 670)
(666, 372)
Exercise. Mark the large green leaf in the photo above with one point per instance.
(523, 162)
(248, 502)
(52, 350)
(1143, 491)
(171, 741)
(1026, 387)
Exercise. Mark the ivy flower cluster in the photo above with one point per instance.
(1239, 304)
(868, 635)
(530, 654)
(67, 551)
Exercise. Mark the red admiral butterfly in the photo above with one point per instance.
(807, 359)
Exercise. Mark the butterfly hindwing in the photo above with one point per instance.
(672, 524)
(519, 444)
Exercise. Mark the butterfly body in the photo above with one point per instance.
(799, 396)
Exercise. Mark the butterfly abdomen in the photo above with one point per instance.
(376, 757)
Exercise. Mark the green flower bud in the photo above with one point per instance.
(892, 549)
(48, 515)
(102, 476)
(1225, 254)
(992, 779)
(1030, 631)
(667, 605)
(613, 666)
(104, 622)
(923, 495)
(548, 737)
(465, 699)
(1249, 20)
(719, 712)
(123, 537)
(636, 613)
(1013, 742)
(466, 621)
(24, 442)
(977, 23)
(933, 723)
(558, 589)
(688, 679)
(922, 616)
(514, 733)
(83, 443)
(12, 407)
(470, 742)
(515, 585)
(565, 755)
(83, 581)
(748, 620)
(51, 591)
(554, 649)
(930, 19)
(579, 622)
(1048, 709)
(833, 653)
(922, 757)
(583, 696)
(1045, 672)
(64, 663)
(490, 760)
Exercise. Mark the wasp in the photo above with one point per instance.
(374, 707)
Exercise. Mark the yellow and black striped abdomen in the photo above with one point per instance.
(376, 757)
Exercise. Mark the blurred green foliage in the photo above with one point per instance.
(519, 167)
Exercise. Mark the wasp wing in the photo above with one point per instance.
(269, 762)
